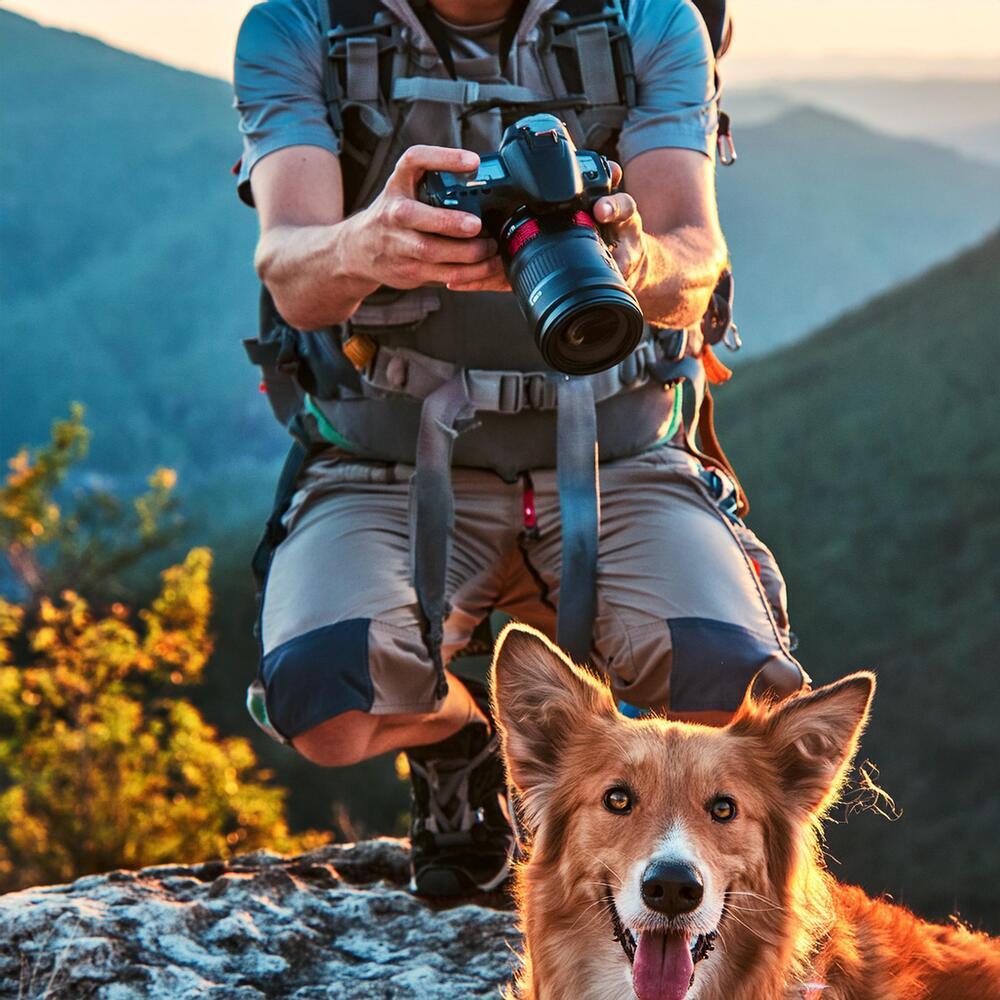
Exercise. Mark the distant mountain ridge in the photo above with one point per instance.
(821, 214)
(961, 114)
(127, 279)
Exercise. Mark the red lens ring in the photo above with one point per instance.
(525, 232)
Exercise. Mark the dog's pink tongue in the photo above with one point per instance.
(663, 966)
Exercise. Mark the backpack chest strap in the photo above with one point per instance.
(407, 89)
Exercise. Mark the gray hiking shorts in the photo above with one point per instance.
(690, 604)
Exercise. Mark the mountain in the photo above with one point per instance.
(869, 452)
(959, 113)
(822, 213)
(127, 279)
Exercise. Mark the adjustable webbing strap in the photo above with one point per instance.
(444, 411)
(361, 83)
(410, 373)
(407, 89)
(576, 478)
(597, 68)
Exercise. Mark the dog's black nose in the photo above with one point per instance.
(671, 888)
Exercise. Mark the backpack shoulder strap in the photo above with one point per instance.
(718, 18)
(591, 44)
(357, 39)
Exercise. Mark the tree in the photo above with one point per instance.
(103, 763)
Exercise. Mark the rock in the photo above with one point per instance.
(334, 924)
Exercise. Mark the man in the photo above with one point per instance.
(689, 606)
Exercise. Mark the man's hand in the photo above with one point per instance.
(620, 219)
(672, 253)
(404, 243)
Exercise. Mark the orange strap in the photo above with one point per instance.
(715, 371)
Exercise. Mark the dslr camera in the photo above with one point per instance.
(535, 196)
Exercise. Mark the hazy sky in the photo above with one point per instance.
(774, 37)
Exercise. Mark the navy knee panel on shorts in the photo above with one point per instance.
(318, 675)
(713, 663)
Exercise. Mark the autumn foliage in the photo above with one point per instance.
(103, 763)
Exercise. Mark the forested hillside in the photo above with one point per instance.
(127, 281)
(870, 455)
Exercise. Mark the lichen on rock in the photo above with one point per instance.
(334, 924)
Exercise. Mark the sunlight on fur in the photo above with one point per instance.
(667, 860)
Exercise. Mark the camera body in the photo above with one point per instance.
(535, 196)
(537, 168)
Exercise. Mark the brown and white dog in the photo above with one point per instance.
(672, 861)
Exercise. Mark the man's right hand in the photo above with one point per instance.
(319, 266)
(404, 243)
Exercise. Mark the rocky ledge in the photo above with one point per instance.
(334, 923)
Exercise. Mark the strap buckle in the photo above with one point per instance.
(519, 391)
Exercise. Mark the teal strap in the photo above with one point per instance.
(327, 430)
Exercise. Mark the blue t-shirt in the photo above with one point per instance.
(278, 79)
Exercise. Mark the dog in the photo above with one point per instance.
(666, 860)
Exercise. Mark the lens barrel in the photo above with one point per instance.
(584, 316)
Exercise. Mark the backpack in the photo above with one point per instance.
(588, 41)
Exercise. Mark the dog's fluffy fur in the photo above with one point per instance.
(786, 929)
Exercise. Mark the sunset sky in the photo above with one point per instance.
(775, 37)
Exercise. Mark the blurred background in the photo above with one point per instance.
(863, 223)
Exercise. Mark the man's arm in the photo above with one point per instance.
(318, 266)
(670, 245)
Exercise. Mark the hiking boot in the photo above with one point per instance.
(460, 832)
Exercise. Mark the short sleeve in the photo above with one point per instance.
(675, 75)
(278, 80)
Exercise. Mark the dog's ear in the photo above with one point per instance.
(815, 736)
(540, 701)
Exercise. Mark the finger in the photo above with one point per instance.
(440, 250)
(616, 173)
(499, 283)
(417, 160)
(408, 213)
(467, 274)
(615, 207)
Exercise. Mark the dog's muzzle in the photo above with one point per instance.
(701, 945)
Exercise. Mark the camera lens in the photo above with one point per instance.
(584, 316)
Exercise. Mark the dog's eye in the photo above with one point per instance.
(618, 800)
(722, 809)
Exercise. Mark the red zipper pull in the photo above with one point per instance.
(530, 532)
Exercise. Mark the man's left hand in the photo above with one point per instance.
(619, 218)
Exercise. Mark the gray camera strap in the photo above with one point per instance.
(449, 410)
